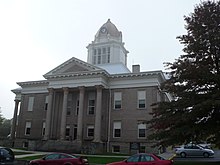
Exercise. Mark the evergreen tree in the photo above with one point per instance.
(194, 113)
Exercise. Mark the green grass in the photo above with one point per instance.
(21, 153)
(103, 160)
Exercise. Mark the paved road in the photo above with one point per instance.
(215, 158)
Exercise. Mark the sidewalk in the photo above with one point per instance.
(168, 155)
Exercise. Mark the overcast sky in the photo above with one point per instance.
(38, 35)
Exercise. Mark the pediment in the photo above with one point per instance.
(72, 65)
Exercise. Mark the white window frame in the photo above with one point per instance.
(116, 126)
(92, 128)
(27, 126)
(46, 102)
(67, 128)
(43, 128)
(77, 107)
(91, 108)
(141, 98)
(30, 103)
(142, 126)
(114, 147)
(117, 99)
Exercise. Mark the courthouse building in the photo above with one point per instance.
(89, 107)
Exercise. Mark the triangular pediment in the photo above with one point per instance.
(72, 65)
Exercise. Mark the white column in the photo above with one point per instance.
(63, 115)
(14, 122)
(80, 114)
(98, 114)
(48, 115)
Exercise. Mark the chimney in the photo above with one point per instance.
(135, 68)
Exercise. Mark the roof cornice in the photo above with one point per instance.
(77, 74)
(30, 83)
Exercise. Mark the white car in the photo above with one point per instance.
(194, 150)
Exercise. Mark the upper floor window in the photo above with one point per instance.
(77, 107)
(101, 55)
(30, 103)
(91, 107)
(117, 100)
(91, 103)
(46, 103)
(28, 128)
(69, 104)
(141, 99)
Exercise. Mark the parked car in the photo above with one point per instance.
(203, 144)
(194, 150)
(6, 156)
(143, 158)
(59, 159)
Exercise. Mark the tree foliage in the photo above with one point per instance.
(194, 113)
(5, 126)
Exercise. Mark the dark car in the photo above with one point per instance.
(6, 156)
(144, 159)
(59, 159)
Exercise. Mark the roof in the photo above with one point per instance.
(116, 68)
(110, 28)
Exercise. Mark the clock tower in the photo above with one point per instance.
(107, 50)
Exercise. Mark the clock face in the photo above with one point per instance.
(103, 30)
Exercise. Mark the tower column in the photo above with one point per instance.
(98, 116)
(80, 114)
(49, 113)
(14, 122)
(63, 115)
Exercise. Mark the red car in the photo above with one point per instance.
(144, 159)
(59, 159)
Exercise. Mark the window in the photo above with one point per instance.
(116, 149)
(46, 103)
(77, 107)
(108, 55)
(141, 99)
(91, 108)
(75, 132)
(69, 104)
(43, 128)
(117, 129)
(90, 131)
(134, 159)
(30, 103)
(91, 103)
(117, 100)
(67, 131)
(28, 128)
(141, 130)
(146, 158)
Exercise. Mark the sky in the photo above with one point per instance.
(38, 35)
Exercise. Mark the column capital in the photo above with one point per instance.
(98, 87)
(66, 90)
(17, 101)
(81, 88)
(50, 90)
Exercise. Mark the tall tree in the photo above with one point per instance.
(194, 113)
